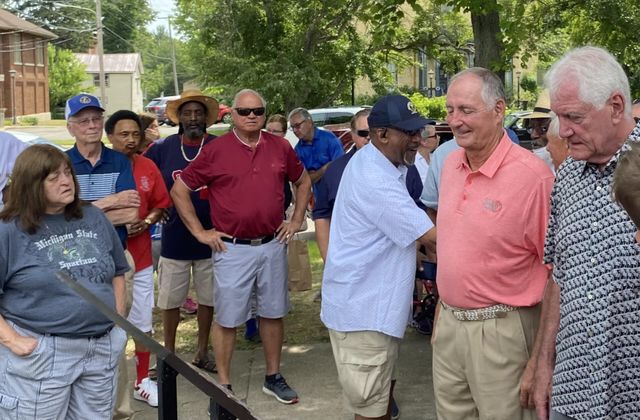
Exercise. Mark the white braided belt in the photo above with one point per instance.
(480, 314)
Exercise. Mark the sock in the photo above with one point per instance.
(252, 328)
(271, 378)
(142, 365)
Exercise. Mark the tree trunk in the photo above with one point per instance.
(487, 39)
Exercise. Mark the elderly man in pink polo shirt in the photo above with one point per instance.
(492, 215)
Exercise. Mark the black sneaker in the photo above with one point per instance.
(221, 413)
(278, 388)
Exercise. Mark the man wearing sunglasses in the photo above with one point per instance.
(244, 171)
(371, 259)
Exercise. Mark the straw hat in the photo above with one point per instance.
(543, 106)
(193, 95)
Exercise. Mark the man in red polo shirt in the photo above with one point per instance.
(244, 171)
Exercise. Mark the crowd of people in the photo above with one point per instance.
(540, 320)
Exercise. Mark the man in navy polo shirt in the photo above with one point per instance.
(104, 175)
(244, 171)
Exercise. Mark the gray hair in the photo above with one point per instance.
(305, 114)
(597, 73)
(246, 92)
(362, 113)
(492, 87)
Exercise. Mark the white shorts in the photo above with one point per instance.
(142, 303)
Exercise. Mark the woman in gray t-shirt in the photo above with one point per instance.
(58, 354)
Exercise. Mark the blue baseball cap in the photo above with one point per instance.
(79, 102)
(396, 111)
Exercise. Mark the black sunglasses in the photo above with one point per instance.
(362, 133)
(245, 112)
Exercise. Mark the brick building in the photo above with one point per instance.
(24, 70)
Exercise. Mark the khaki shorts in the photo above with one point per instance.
(366, 361)
(173, 281)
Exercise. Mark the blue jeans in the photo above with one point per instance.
(63, 378)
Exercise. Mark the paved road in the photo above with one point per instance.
(61, 133)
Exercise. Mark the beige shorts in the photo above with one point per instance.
(173, 281)
(366, 362)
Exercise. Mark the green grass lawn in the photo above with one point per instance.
(302, 325)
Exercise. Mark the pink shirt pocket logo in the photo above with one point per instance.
(492, 205)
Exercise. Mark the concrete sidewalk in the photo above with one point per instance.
(311, 371)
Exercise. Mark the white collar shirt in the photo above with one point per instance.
(370, 270)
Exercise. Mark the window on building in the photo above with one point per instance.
(96, 80)
(39, 52)
(17, 48)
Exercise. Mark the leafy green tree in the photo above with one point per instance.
(158, 71)
(66, 75)
(309, 53)
(75, 21)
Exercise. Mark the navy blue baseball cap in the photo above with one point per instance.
(396, 111)
(79, 102)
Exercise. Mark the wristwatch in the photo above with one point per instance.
(148, 221)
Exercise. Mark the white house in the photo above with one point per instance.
(122, 79)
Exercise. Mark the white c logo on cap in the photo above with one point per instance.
(84, 100)
(411, 107)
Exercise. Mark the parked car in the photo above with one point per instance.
(520, 125)
(157, 106)
(336, 119)
(32, 138)
(224, 114)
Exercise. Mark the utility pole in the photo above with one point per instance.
(100, 48)
(173, 59)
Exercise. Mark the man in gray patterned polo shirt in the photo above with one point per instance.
(589, 361)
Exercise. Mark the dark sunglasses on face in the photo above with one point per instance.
(362, 133)
(245, 112)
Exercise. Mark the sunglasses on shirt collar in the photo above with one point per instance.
(245, 112)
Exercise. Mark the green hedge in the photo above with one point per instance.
(433, 108)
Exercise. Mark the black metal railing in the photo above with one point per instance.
(221, 400)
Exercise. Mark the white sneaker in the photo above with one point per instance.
(147, 391)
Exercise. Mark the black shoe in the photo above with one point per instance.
(279, 389)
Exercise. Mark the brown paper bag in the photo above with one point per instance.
(299, 266)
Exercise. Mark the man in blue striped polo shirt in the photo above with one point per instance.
(104, 175)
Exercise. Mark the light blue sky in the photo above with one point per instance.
(162, 8)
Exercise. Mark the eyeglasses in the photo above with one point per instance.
(362, 133)
(245, 112)
(297, 125)
(86, 121)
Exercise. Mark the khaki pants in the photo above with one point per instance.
(477, 365)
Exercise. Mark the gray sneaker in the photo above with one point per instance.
(279, 389)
